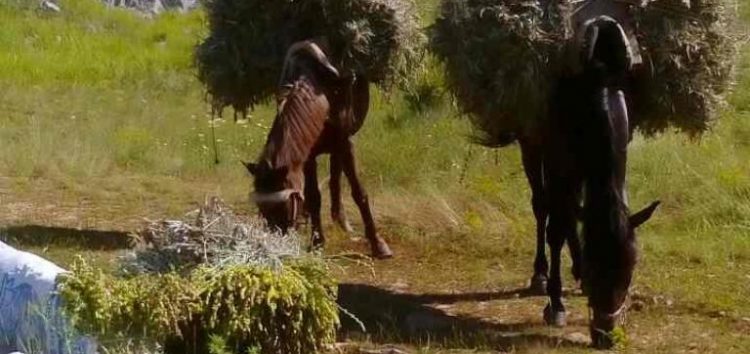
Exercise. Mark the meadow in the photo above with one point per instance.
(103, 123)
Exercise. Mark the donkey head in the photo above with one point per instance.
(277, 193)
(608, 279)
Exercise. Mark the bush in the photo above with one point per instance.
(291, 311)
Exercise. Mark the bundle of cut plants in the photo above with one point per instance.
(212, 282)
(241, 59)
(502, 58)
(689, 59)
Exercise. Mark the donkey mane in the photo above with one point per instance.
(299, 122)
(605, 207)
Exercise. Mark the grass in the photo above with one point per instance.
(102, 123)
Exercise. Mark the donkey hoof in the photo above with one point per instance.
(380, 250)
(316, 245)
(554, 317)
(538, 285)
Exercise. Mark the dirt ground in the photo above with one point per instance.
(442, 293)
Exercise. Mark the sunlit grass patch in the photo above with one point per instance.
(89, 44)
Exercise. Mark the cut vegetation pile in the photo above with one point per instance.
(241, 60)
(211, 235)
(215, 279)
(503, 56)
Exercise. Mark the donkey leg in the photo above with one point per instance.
(574, 246)
(562, 223)
(379, 247)
(337, 208)
(313, 202)
(554, 312)
(532, 163)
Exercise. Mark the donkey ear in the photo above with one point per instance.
(251, 167)
(642, 216)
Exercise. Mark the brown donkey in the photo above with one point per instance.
(319, 110)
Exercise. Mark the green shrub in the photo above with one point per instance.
(289, 311)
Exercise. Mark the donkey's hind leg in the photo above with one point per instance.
(532, 165)
(379, 247)
(337, 208)
(313, 202)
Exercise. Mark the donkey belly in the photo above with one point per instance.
(330, 141)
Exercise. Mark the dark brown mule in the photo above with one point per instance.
(580, 154)
(319, 110)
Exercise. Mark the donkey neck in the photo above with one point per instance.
(605, 206)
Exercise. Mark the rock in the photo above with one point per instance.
(154, 6)
(50, 6)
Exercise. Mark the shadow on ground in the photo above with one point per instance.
(43, 236)
(397, 318)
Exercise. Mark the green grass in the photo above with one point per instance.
(102, 122)
(90, 45)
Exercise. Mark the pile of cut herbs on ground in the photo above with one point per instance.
(211, 279)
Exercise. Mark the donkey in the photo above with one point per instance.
(580, 155)
(318, 111)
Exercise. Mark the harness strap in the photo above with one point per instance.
(613, 315)
(276, 197)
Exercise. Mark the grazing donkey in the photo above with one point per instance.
(319, 110)
(580, 154)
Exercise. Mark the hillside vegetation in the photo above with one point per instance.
(102, 122)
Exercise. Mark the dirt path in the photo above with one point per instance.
(434, 305)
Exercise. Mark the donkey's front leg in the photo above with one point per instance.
(337, 208)
(379, 247)
(313, 201)
(562, 223)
